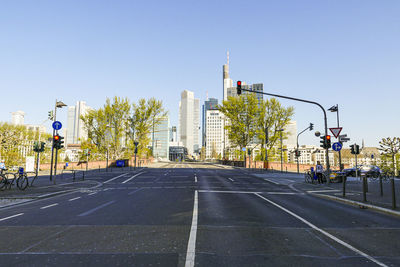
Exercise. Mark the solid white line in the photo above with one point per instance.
(112, 179)
(270, 181)
(195, 179)
(75, 198)
(92, 193)
(48, 206)
(9, 217)
(324, 232)
(191, 249)
(127, 180)
(97, 208)
(229, 192)
(231, 179)
(323, 191)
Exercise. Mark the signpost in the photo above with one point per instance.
(336, 131)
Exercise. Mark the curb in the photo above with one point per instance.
(359, 204)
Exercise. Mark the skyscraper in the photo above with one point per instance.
(227, 82)
(76, 131)
(189, 117)
(214, 134)
(210, 104)
(161, 139)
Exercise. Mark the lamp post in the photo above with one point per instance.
(336, 109)
(281, 130)
(311, 127)
(59, 104)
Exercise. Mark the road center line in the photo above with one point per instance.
(191, 249)
(112, 179)
(9, 217)
(195, 179)
(97, 208)
(75, 198)
(127, 180)
(231, 179)
(91, 194)
(48, 206)
(324, 232)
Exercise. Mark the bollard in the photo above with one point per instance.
(83, 178)
(393, 194)
(364, 191)
(74, 175)
(99, 168)
(344, 185)
(380, 185)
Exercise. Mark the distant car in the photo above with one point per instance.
(368, 170)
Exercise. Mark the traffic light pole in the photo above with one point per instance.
(310, 102)
(52, 143)
(55, 167)
(297, 142)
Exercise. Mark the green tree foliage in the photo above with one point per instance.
(389, 148)
(248, 118)
(241, 113)
(118, 124)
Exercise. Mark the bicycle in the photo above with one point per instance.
(22, 181)
(8, 180)
(309, 177)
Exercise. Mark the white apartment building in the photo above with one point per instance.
(310, 155)
(76, 131)
(189, 121)
(17, 117)
(214, 133)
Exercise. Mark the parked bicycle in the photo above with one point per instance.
(8, 179)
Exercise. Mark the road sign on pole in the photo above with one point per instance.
(336, 131)
(337, 146)
(57, 125)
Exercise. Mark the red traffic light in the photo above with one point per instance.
(328, 137)
(239, 83)
(56, 137)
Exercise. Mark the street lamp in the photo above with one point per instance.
(59, 104)
(336, 109)
(281, 130)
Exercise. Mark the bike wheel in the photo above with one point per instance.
(22, 182)
(3, 182)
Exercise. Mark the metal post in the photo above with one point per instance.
(52, 142)
(364, 191)
(393, 194)
(37, 163)
(380, 185)
(135, 161)
(87, 160)
(281, 152)
(344, 185)
(55, 167)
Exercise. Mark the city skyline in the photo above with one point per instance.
(331, 58)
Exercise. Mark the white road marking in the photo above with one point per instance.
(271, 181)
(112, 179)
(9, 217)
(97, 208)
(231, 179)
(323, 191)
(133, 192)
(75, 198)
(191, 248)
(91, 194)
(48, 206)
(229, 192)
(195, 179)
(324, 232)
(127, 180)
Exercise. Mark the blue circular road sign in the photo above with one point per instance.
(337, 146)
(57, 125)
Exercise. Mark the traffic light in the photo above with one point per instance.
(51, 115)
(322, 141)
(36, 146)
(239, 87)
(58, 141)
(328, 141)
(311, 126)
(357, 149)
(298, 153)
(352, 149)
(42, 144)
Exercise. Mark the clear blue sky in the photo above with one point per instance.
(333, 52)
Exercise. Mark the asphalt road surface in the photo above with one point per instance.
(195, 215)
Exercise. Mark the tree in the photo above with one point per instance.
(241, 114)
(273, 117)
(389, 147)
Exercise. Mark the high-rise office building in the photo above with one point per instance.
(214, 134)
(161, 139)
(76, 131)
(291, 135)
(210, 104)
(227, 82)
(189, 117)
(256, 87)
